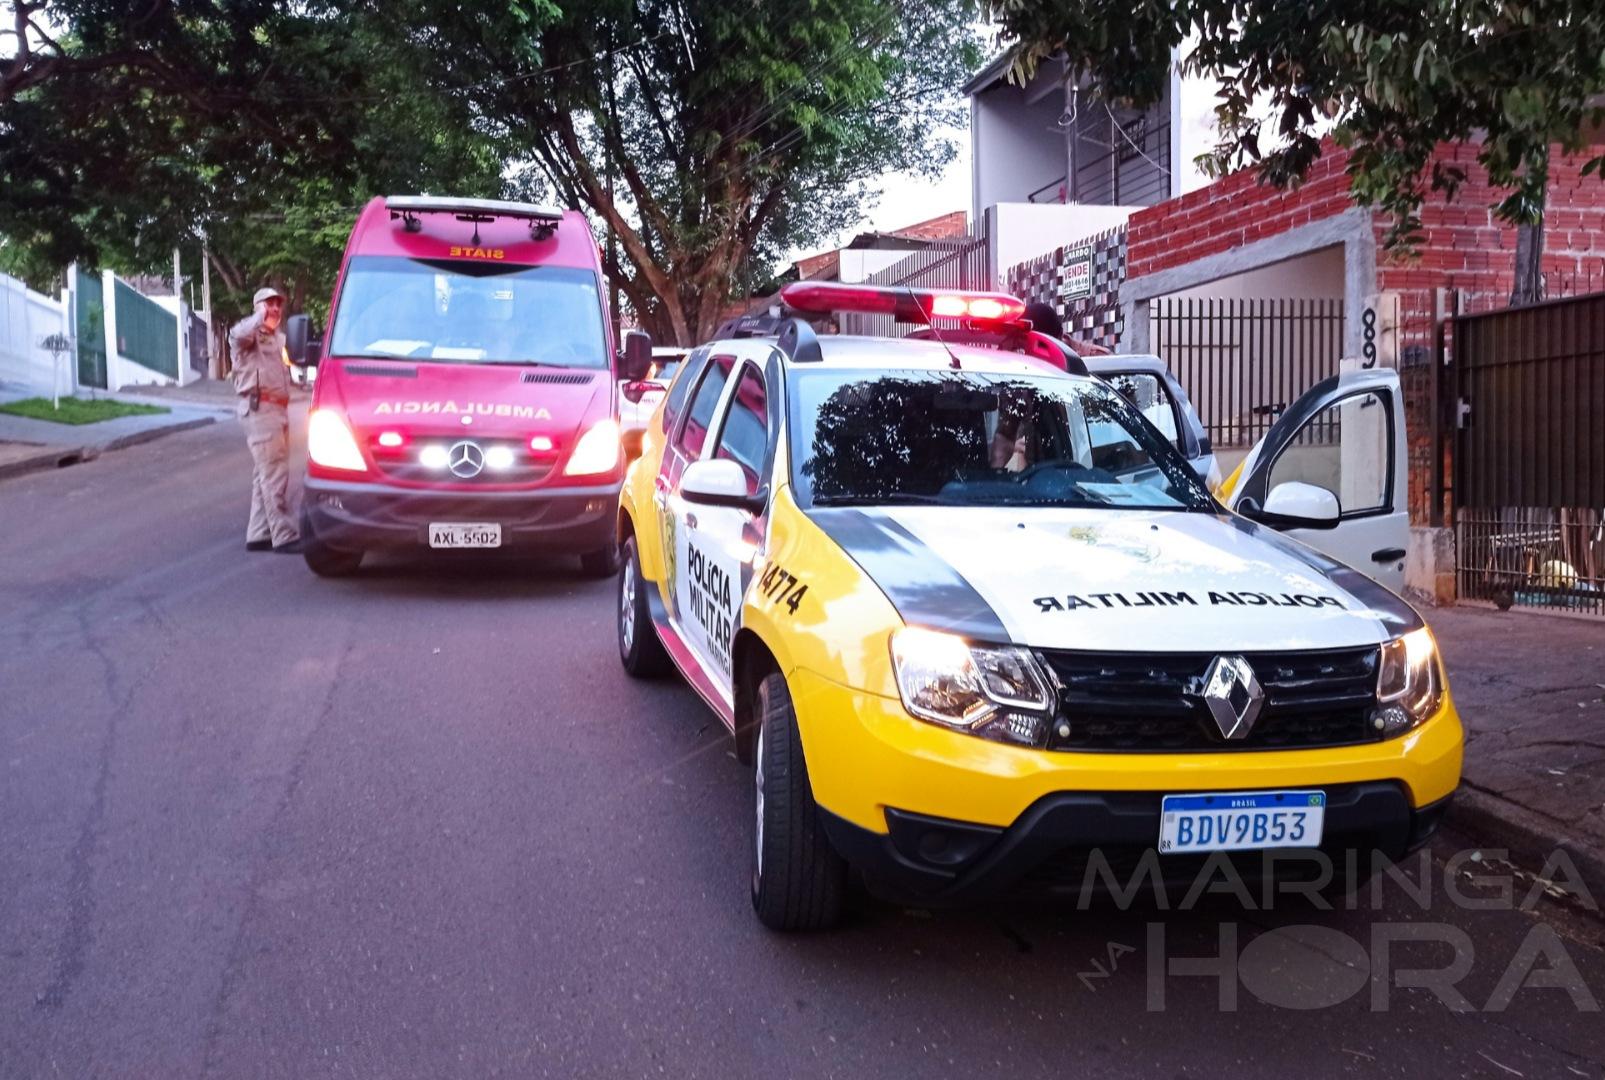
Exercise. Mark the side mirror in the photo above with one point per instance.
(718, 482)
(637, 389)
(636, 364)
(297, 338)
(1298, 505)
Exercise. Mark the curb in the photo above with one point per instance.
(54, 458)
(58, 457)
(1531, 838)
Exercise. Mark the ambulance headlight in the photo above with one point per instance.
(1409, 685)
(995, 691)
(597, 451)
(331, 444)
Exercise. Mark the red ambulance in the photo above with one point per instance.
(467, 391)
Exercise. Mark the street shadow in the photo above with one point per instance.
(480, 576)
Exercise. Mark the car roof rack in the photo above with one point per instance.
(542, 219)
(764, 324)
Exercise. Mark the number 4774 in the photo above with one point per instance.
(780, 585)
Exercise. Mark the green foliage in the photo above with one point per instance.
(78, 410)
(732, 131)
(1392, 78)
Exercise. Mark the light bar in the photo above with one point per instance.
(444, 204)
(904, 305)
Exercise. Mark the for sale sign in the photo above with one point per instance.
(1075, 276)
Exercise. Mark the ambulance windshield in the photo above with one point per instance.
(974, 439)
(472, 313)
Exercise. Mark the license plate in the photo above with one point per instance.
(455, 534)
(1246, 821)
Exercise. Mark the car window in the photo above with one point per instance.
(1151, 397)
(679, 388)
(1346, 448)
(744, 438)
(700, 415)
(974, 439)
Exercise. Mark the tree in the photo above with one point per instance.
(1393, 78)
(254, 131)
(706, 134)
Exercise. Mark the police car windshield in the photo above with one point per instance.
(973, 439)
(457, 311)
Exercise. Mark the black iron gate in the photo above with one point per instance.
(1529, 463)
(1245, 360)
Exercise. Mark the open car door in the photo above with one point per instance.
(1332, 472)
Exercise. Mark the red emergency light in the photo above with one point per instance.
(904, 305)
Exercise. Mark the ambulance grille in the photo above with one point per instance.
(556, 380)
(385, 372)
(1150, 703)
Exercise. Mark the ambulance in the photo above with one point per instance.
(467, 391)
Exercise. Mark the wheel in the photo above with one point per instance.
(798, 880)
(324, 560)
(642, 654)
(604, 562)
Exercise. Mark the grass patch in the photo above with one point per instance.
(78, 410)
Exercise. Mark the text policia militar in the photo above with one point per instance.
(1071, 601)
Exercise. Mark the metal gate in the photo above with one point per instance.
(1529, 461)
(963, 262)
(1243, 361)
(90, 307)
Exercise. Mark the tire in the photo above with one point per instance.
(604, 562)
(798, 880)
(324, 560)
(640, 651)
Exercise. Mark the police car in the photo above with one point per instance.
(974, 621)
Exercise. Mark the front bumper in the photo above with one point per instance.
(1082, 843)
(869, 761)
(365, 516)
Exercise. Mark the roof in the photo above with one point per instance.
(846, 351)
(505, 239)
(996, 71)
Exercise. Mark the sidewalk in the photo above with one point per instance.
(1530, 690)
(27, 444)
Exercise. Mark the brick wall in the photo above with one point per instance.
(1231, 212)
(1466, 247)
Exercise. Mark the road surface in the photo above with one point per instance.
(418, 824)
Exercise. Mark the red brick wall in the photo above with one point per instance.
(1231, 212)
(1467, 247)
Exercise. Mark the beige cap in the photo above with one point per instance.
(266, 293)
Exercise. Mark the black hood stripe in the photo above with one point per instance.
(1393, 612)
(924, 588)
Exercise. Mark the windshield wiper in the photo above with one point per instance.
(881, 500)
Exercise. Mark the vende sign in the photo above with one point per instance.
(1075, 276)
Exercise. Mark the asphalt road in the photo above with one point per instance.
(419, 824)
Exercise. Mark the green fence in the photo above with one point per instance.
(147, 333)
(91, 330)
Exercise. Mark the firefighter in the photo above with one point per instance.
(262, 381)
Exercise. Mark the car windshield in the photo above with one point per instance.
(469, 312)
(972, 439)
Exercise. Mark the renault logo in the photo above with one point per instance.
(466, 460)
(1233, 695)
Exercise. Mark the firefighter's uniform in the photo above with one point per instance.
(262, 380)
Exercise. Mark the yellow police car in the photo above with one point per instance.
(977, 626)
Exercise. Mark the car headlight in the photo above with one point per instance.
(597, 451)
(995, 691)
(331, 444)
(1409, 686)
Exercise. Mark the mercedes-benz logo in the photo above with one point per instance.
(465, 460)
(1233, 695)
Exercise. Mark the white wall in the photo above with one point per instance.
(856, 264)
(1318, 275)
(1024, 231)
(1015, 147)
(26, 317)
